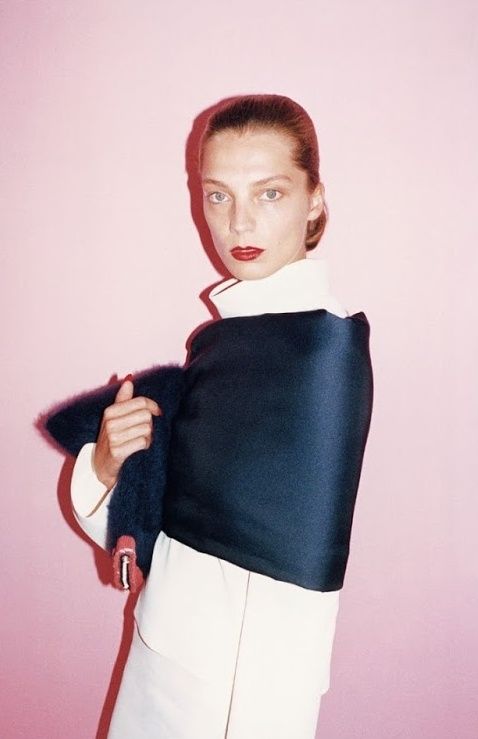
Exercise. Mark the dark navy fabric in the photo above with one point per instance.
(267, 445)
(258, 454)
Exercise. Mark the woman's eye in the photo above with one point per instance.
(273, 192)
(221, 199)
(217, 197)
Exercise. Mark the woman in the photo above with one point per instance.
(221, 649)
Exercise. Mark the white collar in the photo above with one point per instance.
(297, 286)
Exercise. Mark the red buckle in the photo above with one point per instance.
(126, 573)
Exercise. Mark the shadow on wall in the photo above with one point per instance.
(103, 565)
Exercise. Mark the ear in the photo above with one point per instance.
(316, 202)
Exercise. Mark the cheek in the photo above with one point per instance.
(212, 218)
(286, 219)
(218, 225)
(297, 215)
(216, 214)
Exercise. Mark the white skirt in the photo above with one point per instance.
(221, 652)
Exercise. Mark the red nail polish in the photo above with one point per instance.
(128, 377)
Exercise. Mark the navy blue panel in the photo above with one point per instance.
(267, 446)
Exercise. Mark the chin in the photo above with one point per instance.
(253, 270)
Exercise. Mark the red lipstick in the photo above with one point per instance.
(246, 253)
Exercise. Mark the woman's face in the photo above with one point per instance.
(255, 196)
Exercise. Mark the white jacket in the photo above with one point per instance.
(177, 568)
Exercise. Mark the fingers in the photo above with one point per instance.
(118, 434)
(121, 452)
(127, 423)
(139, 403)
(126, 389)
(126, 427)
(125, 403)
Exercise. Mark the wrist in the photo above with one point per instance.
(105, 480)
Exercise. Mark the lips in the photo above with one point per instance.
(245, 253)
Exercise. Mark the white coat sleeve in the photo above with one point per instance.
(90, 497)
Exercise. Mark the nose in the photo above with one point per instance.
(242, 218)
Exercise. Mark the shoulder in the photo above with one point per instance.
(335, 306)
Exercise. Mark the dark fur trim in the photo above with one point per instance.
(135, 507)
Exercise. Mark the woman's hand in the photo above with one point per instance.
(126, 427)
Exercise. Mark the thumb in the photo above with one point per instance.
(126, 389)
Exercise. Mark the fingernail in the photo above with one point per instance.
(128, 377)
(160, 412)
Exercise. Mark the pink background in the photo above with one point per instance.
(103, 260)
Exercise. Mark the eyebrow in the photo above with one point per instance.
(210, 181)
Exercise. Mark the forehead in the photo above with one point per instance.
(229, 155)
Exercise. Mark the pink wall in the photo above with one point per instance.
(102, 267)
